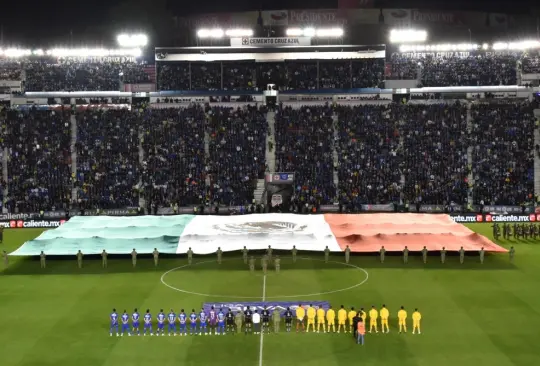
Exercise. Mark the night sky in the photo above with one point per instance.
(61, 22)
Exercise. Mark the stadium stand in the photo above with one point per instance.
(39, 160)
(174, 165)
(503, 154)
(531, 65)
(108, 158)
(304, 145)
(237, 152)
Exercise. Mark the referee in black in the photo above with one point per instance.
(355, 321)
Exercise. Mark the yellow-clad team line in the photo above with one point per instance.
(346, 319)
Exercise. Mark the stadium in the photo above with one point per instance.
(346, 166)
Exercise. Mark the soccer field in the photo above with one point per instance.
(473, 314)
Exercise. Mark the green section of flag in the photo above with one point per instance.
(117, 235)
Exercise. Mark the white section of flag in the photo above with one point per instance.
(204, 234)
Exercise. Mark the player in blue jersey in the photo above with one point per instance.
(221, 322)
(125, 323)
(193, 322)
(203, 320)
(172, 322)
(114, 322)
(213, 320)
(135, 320)
(148, 322)
(161, 323)
(182, 318)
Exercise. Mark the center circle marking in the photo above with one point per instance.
(267, 297)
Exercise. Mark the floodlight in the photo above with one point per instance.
(310, 32)
(38, 52)
(485, 46)
(16, 52)
(294, 32)
(239, 32)
(210, 33)
(330, 32)
(133, 40)
(407, 35)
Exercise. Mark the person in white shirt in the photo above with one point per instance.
(256, 322)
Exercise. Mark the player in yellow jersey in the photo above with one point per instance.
(385, 314)
(363, 315)
(351, 315)
(342, 318)
(402, 320)
(416, 317)
(321, 319)
(300, 315)
(373, 316)
(310, 317)
(331, 319)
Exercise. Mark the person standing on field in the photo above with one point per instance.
(219, 254)
(461, 255)
(264, 263)
(276, 319)
(443, 255)
(294, 252)
(347, 254)
(104, 259)
(245, 255)
(42, 259)
(424, 254)
(6, 259)
(512, 252)
(326, 254)
(406, 255)
(482, 253)
(134, 258)
(277, 263)
(252, 264)
(79, 258)
(155, 253)
(269, 252)
(189, 256)
(383, 253)
(238, 321)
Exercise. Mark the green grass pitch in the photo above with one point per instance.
(473, 314)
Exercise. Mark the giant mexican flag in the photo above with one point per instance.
(205, 234)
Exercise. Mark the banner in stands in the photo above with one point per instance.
(236, 306)
(286, 178)
(275, 17)
(471, 218)
(31, 224)
(318, 17)
(270, 42)
(140, 88)
(388, 207)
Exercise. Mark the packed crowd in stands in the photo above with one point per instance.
(305, 145)
(531, 65)
(503, 152)
(402, 67)
(10, 70)
(174, 157)
(412, 153)
(39, 160)
(82, 76)
(108, 166)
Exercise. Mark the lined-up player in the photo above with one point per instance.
(147, 323)
(172, 322)
(321, 319)
(311, 313)
(125, 323)
(160, 323)
(300, 315)
(203, 319)
(221, 322)
(114, 322)
(212, 318)
(352, 313)
(230, 321)
(248, 316)
(288, 320)
(265, 320)
(135, 318)
(182, 319)
(342, 319)
(402, 320)
(331, 318)
(373, 316)
(385, 314)
(193, 322)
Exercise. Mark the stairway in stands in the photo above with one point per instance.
(536, 156)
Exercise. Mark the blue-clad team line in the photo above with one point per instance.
(130, 324)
